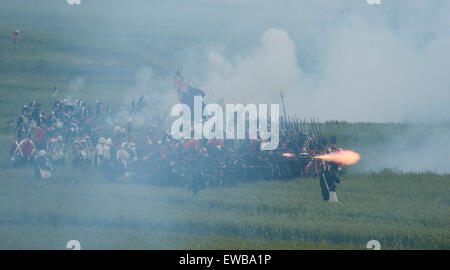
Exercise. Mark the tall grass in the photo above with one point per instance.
(386, 207)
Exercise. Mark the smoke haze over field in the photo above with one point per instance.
(387, 63)
(404, 148)
(411, 152)
(334, 60)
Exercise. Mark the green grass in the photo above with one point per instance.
(402, 211)
(270, 214)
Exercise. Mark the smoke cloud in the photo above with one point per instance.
(354, 62)
(366, 74)
(418, 148)
(259, 76)
(157, 94)
(74, 88)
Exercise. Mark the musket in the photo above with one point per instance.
(293, 156)
(30, 127)
(282, 102)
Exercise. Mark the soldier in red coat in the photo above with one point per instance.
(40, 136)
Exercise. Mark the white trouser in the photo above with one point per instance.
(333, 197)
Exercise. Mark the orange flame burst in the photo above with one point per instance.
(344, 157)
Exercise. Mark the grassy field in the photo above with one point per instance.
(401, 210)
(263, 215)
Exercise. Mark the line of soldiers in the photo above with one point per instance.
(161, 159)
(66, 119)
(201, 163)
(42, 137)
